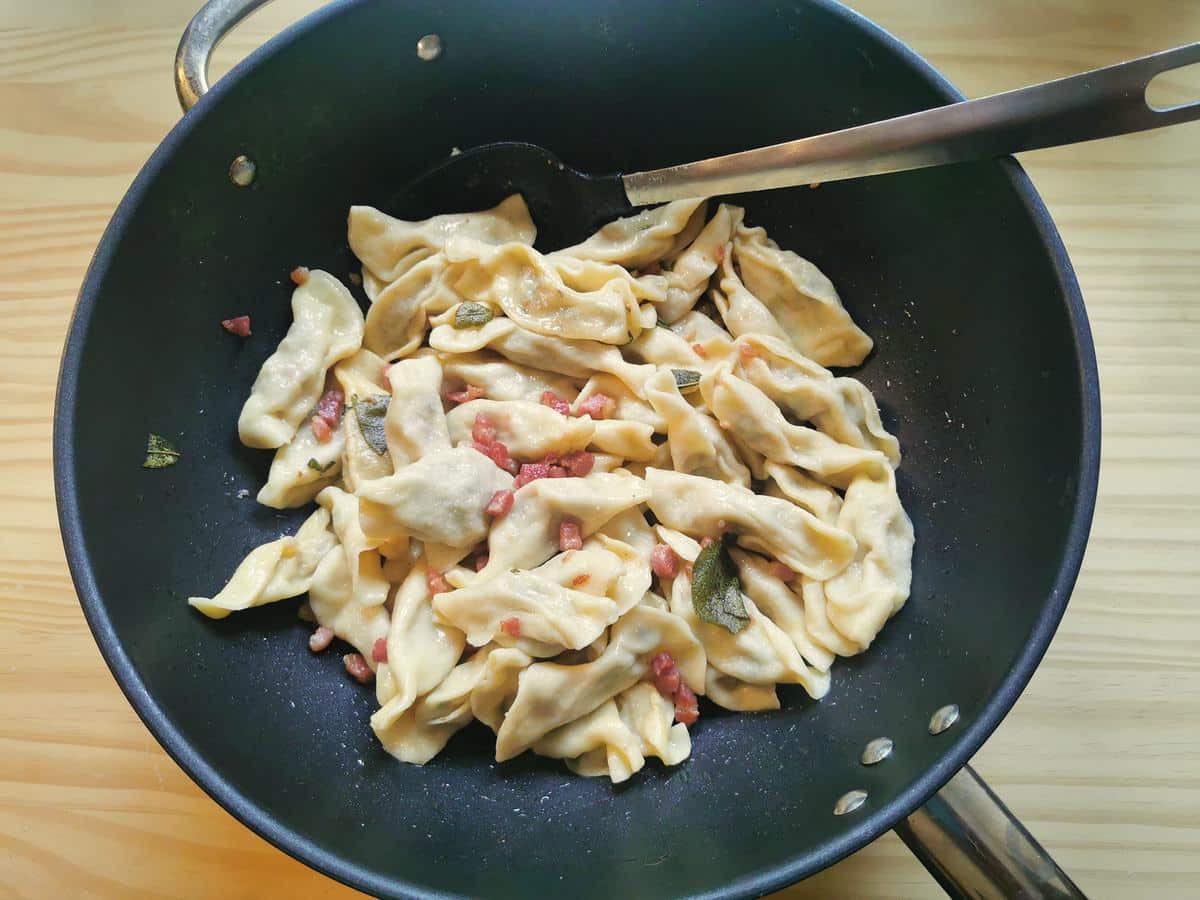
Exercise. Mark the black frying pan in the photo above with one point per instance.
(984, 368)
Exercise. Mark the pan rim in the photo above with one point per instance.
(806, 861)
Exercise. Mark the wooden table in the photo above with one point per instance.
(1100, 756)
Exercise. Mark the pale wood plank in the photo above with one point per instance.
(1099, 754)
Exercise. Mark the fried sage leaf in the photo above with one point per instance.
(472, 315)
(159, 453)
(686, 379)
(370, 414)
(716, 591)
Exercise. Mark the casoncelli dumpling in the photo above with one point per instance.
(566, 495)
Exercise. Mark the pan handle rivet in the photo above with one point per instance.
(876, 751)
(944, 718)
(242, 171)
(849, 802)
(429, 48)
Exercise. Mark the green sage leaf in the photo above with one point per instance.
(716, 591)
(370, 414)
(687, 380)
(472, 315)
(159, 453)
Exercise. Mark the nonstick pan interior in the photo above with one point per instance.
(983, 367)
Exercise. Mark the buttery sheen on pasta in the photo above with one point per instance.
(564, 494)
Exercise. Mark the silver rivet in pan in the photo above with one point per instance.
(944, 718)
(242, 171)
(876, 751)
(849, 802)
(429, 47)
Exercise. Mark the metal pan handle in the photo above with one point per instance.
(976, 848)
(1096, 104)
(214, 20)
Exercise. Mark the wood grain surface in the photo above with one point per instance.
(1100, 755)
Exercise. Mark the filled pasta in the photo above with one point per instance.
(842, 408)
(274, 571)
(419, 733)
(563, 604)
(530, 532)
(698, 446)
(529, 430)
(704, 507)
(396, 322)
(421, 652)
(760, 653)
(332, 599)
(749, 413)
(415, 423)
(439, 499)
(388, 247)
(554, 297)
(639, 240)
(875, 585)
(800, 298)
(691, 270)
(364, 563)
(573, 358)
(500, 379)
(597, 743)
(571, 494)
(361, 377)
(550, 695)
(302, 468)
(327, 326)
